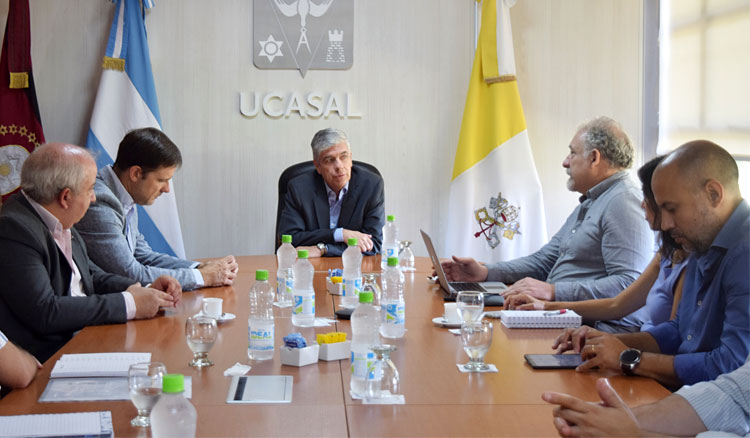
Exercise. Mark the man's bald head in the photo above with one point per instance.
(700, 161)
(53, 167)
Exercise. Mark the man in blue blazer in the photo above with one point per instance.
(325, 208)
(146, 160)
(50, 288)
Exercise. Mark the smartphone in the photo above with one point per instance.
(553, 361)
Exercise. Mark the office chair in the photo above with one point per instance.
(298, 169)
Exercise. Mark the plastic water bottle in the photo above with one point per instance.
(286, 255)
(352, 259)
(173, 415)
(260, 325)
(365, 321)
(390, 241)
(303, 294)
(392, 307)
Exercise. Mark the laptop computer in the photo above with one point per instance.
(491, 289)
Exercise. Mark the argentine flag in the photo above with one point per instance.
(495, 209)
(126, 100)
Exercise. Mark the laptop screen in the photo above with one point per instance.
(435, 261)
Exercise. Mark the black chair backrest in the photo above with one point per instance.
(296, 170)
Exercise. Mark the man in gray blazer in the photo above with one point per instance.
(50, 288)
(146, 160)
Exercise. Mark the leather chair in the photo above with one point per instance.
(298, 169)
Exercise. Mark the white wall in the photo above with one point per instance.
(575, 59)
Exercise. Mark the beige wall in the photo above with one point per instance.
(575, 59)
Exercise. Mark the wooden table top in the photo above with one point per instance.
(440, 401)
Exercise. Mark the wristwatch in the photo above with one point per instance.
(629, 360)
(323, 248)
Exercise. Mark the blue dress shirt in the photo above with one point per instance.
(334, 208)
(711, 334)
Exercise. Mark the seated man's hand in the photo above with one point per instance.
(464, 269)
(602, 350)
(219, 272)
(524, 302)
(148, 300)
(573, 339)
(364, 241)
(170, 285)
(611, 417)
(530, 286)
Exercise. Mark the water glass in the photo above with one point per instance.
(476, 337)
(200, 332)
(145, 383)
(406, 256)
(470, 305)
(382, 377)
(371, 285)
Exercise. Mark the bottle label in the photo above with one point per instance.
(284, 288)
(260, 338)
(362, 364)
(304, 304)
(394, 313)
(352, 286)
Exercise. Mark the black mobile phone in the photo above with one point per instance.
(553, 361)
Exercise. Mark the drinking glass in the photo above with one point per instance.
(470, 305)
(476, 337)
(371, 285)
(382, 378)
(144, 383)
(406, 256)
(200, 332)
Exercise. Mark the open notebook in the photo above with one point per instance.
(539, 319)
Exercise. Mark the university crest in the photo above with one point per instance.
(501, 217)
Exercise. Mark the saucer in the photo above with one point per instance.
(223, 318)
(441, 322)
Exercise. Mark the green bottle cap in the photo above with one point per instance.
(391, 218)
(261, 275)
(392, 261)
(173, 383)
(302, 254)
(365, 297)
(352, 241)
(286, 238)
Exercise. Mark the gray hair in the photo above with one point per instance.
(53, 167)
(607, 136)
(326, 138)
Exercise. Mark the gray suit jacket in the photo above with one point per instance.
(36, 309)
(103, 228)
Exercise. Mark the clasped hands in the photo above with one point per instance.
(598, 349)
(165, 291)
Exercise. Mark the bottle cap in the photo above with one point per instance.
(392, 261)
(365, 297)
(286, 238)
(352, 241)
(261, 275)
(302, 253)
(173, 383)
(391, 218)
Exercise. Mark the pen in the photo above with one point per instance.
(555, 312)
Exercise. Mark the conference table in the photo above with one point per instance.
(439, 400)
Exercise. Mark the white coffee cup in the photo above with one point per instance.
(212, 307)
(451, 313)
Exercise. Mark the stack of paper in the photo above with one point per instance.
(97, 364)
(88, 424)
(540, 319)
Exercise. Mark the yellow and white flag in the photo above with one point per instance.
(496, 210)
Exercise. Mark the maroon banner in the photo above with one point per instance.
(20, 124)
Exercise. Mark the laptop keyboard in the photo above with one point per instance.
(459, 287)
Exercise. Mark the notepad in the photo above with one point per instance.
(97, 364)
(539, 319)
(79, 424)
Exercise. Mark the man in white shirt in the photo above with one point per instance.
(50, 287)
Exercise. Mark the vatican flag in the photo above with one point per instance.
(496, 210)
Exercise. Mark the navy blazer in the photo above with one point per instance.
(37, 312)
(306, 214)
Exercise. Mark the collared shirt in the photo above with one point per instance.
(3, 340)
(723, 404)
(334, 209)
(711, 334)
(129, 207)
(602, 247)
(55, 228)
